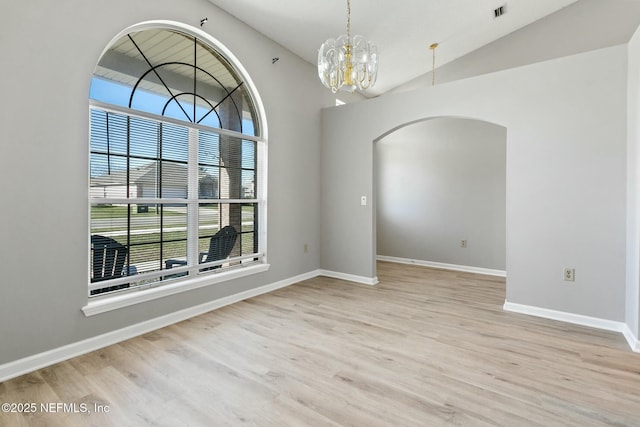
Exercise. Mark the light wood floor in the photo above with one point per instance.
(423, 348)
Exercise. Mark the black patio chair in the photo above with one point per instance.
(108, 261)
(220, 247)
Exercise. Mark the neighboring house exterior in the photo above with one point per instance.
(145, 182)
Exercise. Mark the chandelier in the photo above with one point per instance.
(348, 63)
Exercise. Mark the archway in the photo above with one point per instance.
(440, 195)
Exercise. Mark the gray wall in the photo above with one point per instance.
(566, 179)
(438, 182)
(50, 50)
(633, 178)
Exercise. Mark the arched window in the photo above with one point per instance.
(176, 167)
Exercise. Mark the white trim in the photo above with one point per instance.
(131, 297)
(633, 341)
(371, 281)
(141, 277)
(47, 358)
(577, 319)
(443, 266)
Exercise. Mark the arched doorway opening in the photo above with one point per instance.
(440, 195)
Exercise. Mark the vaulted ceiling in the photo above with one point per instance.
(404, 29)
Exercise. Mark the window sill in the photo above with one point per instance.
(114, 302)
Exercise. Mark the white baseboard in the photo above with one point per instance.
(48, 358)
(577, 319)
(443, 266)
(371, 281)
(633, 341)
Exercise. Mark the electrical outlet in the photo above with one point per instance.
(463, 243)
(569, 274)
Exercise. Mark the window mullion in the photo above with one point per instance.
(192, 200)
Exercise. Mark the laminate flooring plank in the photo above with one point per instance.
(425, 347)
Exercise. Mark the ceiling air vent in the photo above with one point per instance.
(500, 11)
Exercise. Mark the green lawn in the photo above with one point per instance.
(145, 246)
(112, 218)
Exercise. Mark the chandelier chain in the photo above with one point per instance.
(433, 63)
(433, 68)
(348, 19)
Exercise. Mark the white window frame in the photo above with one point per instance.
(247, 264)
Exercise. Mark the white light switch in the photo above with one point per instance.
(363, 201)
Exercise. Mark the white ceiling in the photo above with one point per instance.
(402, 29)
